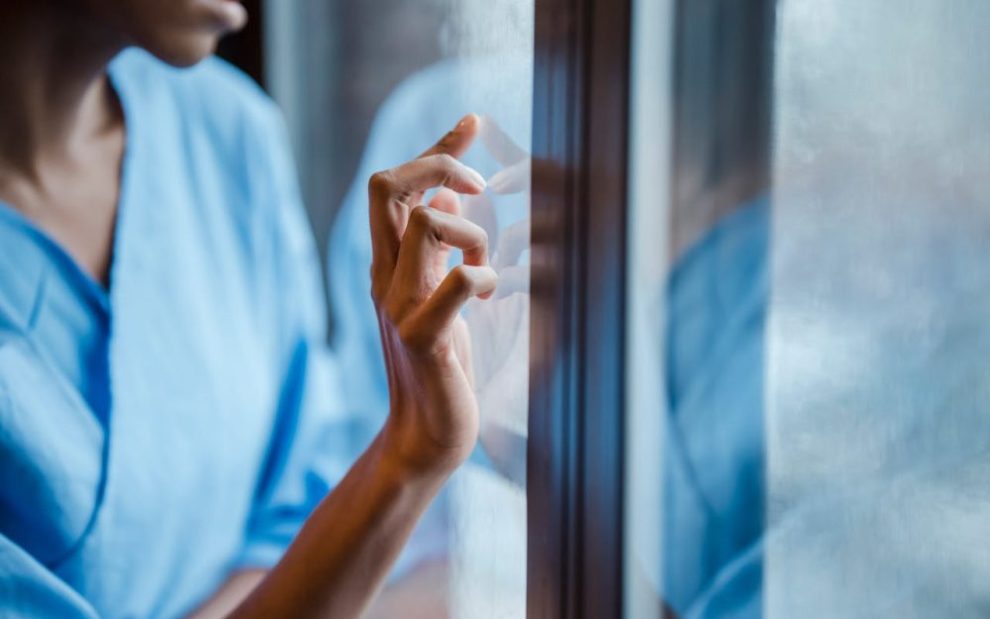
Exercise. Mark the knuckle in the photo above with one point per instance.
(380, 182)
(421, 218)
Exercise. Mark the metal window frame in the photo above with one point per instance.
(579, 207)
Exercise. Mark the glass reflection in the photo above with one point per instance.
(823, 437)
(877, 393)
(468, 556)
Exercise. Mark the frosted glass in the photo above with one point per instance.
(878, 384)
(492, 43)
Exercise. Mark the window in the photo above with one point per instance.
(807, 226)
(876, 395)
(738, 368)
(367, 86)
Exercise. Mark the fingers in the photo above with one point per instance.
(446, 201)
(392, 194)
(458, 139)
(422, 328)
(428, 232)
(418, 175)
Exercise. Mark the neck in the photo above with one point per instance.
(56, 94)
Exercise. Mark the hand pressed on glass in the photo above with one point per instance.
(433, 421)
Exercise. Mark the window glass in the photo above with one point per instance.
(876, 387)
(698, 302)
(816, 444)
(367, 86)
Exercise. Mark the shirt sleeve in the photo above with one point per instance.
(29, 590)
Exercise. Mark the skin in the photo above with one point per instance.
(61, 146)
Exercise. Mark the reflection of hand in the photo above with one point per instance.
(500, 327)
(433, 421)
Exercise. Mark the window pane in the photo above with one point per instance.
(877, 394)
(698, 286)
(819, 447)
(367, 86)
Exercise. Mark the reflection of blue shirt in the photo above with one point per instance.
(714, 464)
(154, 437)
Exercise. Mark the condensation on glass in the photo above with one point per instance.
(492, 43)
(820, 446)
(366, 86)
(878, 433)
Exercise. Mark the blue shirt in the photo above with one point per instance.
(184, 423)
(714, 448)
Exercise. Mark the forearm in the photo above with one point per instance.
(343, 553)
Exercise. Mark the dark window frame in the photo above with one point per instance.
(577, 351)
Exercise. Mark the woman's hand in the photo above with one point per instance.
(343, 553)
(433, 422)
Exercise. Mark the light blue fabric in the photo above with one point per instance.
(714, 487)
(154, 437)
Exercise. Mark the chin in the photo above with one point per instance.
(185, 51)
(179, 32)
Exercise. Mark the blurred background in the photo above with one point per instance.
(331, 64)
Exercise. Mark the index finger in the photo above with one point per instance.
(457, 140)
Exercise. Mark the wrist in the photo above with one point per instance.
(411, 458)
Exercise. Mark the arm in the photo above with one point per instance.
(342, 554)
(344, 551)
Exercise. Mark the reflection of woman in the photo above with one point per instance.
(164, 409)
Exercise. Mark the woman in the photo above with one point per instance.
(165, 412)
